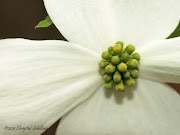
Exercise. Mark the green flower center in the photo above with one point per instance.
(119, 67)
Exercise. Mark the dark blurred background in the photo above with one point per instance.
(18, 19)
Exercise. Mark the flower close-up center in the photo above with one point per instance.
(119, 66)
(90, 67)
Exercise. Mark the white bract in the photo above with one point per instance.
(43, 80)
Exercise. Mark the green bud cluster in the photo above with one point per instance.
(119, 66)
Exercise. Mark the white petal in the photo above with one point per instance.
(100, 23)
(149, 109)
(41, 81)
(161, 60)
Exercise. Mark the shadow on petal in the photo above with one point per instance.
(120, 96)
(108, 92)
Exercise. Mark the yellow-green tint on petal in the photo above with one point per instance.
(122, 67)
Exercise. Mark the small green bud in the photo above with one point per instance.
(134, 73)
(117, 49)
(125, 56)
(126, 74)
(115, 60)
(137, 67)
(120, 86)
(120, 42)
(110, 68)
(107, 77)
(122, 67)
(110, 49)
(117, 77)
(103, 72)
(119, 67)
(136, 56)
(130, 82)
(103, 64)
(108, 84)
(132, 63)
(106, 55)
(129, 49)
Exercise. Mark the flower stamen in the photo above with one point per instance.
(119, 67)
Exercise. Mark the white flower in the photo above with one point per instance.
(43, 80)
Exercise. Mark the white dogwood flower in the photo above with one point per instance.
(43, 80)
